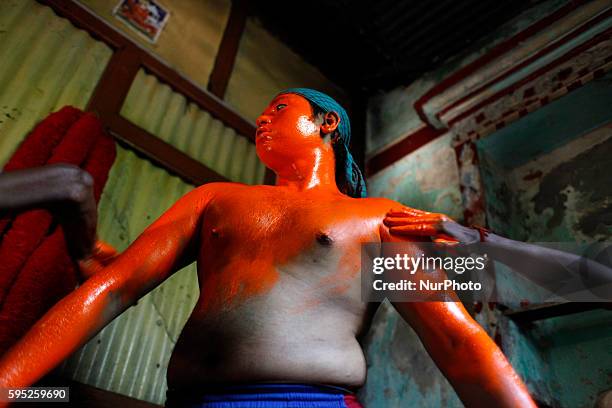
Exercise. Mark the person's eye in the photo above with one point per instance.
(280, 106)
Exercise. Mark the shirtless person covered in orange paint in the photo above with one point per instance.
(280, 305)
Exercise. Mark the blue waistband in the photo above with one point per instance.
(269, 395)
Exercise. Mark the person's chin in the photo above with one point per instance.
(266, 154)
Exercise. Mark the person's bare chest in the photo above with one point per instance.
(253, 242)
(286, 224)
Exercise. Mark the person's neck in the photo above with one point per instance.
(315, 171)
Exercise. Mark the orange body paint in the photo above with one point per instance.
(245, 237)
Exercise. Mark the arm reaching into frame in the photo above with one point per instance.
(165, 246)
(537, 263)
(66, 191)
(474, 365)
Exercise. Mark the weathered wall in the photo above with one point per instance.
(391, 115)
(549, 181)
(48, 63)
(264, 65)
(546, 179)
(546, 175)
(427, 179)
(190, 39)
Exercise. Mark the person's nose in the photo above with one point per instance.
(262, 120)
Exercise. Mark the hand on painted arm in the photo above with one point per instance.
(406, 221)
(542, 265)
(165, 246)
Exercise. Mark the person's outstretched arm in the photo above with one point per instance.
(165, 246)
(542, 265)
(473, 364)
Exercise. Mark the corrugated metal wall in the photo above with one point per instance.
(130, 355)
(155, 107)
(48, 63)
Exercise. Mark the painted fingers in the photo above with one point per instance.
(409, 221)
(102, 255)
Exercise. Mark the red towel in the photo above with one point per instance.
(36, 270)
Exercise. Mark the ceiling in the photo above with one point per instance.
(365, 46)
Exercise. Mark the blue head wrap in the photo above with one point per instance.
(348, 176)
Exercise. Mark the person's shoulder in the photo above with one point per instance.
(375, 206)
(380, 202)
(221, 188)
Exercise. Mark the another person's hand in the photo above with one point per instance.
(441, 228)
(102, 255)
(65, 190)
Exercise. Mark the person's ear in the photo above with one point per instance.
(330, 123)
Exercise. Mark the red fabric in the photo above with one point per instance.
(99, 162)
(36, 270)
(36, 149)
(30, 227)
(47, 276)
(351, 402)
(26, 232)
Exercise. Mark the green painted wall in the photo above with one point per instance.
(427, 179)
(48, 63)
(547, 179)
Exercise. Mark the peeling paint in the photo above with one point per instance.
(584, 178)
(427, 179)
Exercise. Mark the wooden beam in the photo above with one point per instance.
(401, 149)
(160, 152)
(115, 83)
(106, 102)
(228, 49)
(87, 21)
(547, 311)
(84, 19)
(204, 99)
